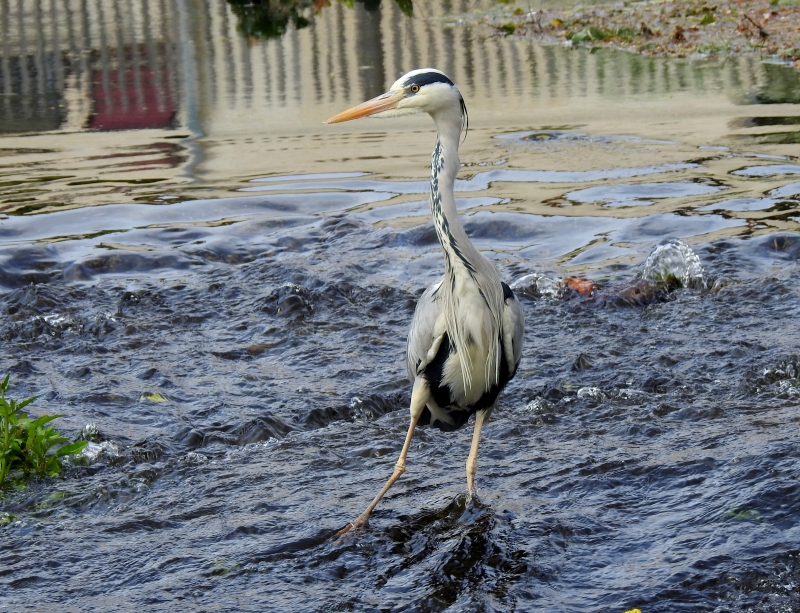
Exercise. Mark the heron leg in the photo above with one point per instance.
(419, 398)
(472, 460)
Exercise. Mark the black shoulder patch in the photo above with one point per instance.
(426, 78)
(507, 293)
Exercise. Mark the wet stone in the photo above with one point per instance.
(146, 451)
(145, 472)
(290, 301)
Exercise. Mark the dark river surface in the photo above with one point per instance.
(222, 285)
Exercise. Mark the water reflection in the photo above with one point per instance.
(640, 194)
(480, 181)
(76, 64)
(105, 65)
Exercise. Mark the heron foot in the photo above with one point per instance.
(354, 526)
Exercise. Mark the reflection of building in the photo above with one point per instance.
(246, 108)
(117, 57)
(133, 98)
(147, 63)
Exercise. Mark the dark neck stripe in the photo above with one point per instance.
(440, 222)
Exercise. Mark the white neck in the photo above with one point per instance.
(469, 278)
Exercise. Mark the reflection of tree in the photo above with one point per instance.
(783, 85)
(270, 18)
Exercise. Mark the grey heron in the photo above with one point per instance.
(465, 340)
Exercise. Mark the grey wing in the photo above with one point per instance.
(513, 326)
(422, 336)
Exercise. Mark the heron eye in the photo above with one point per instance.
(414, 89)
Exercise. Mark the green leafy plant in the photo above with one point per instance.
(590, 34)
(508, 28)
(668, 279)
(27, 445)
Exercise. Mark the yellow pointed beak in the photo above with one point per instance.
(384, 102)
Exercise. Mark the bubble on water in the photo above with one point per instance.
(536, 286)
(673, 262)
(592, 393)
(359, 410)
(788, 388)
(60, 322)
(194, 458)
(241, 451)
(627, 393)
(90, 432)
(537, 405)
(54, 325)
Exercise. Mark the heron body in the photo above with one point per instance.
(465, 340)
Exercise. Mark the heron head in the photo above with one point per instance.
(425, 90)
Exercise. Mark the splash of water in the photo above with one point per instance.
(673, 262)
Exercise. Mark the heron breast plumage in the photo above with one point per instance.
(454, 399)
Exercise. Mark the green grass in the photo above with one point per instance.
(28, 446)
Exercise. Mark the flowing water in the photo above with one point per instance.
(216, 288)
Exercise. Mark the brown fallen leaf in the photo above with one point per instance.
(581, 285)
